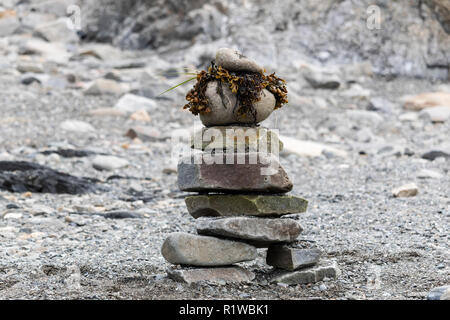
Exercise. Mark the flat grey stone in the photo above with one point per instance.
(195, 250)
(439, 293)
(250, 176)
(259, 230)
(212, 275)
(325, 269)
(291, 259)
(224, 205)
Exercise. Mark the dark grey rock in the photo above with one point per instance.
(258, 230)
(194, 250)
(21, 176)
(291, 259)
(325, 269)
(432, 155)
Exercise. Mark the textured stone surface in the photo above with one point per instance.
(214, 275)
(246, 177)
(194, 250)
(224, 110)
(439, 293)
(260, 230)
(291, 259)
(236, 138)
(325, 269)
(244, 205)
(233, 60)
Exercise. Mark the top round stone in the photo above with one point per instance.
(233, 60)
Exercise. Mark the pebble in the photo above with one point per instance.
(321, 79)
(426, 100)
(25, 67)
(381, 104)
(429, 174)
(105, 86)
(77, 126)
(407, 190)
(436, 114)
(309, 148)
(144, 133)
(439, 293)
(102, 112)
(13, 216)
(141, 115)
(132, 103)
(188, 249)
(435, 154)
(108, 162)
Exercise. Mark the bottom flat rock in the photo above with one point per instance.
(325, 269)
(214, 275)
(291, 259)
(188, 249)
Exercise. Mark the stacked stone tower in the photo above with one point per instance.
(241, 196)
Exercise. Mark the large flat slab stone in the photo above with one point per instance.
(212, 275)
(237, 139)
(325, 269)
(260, 231)
(248, 172)
(224, 205)
(291, 259)
(188, 249)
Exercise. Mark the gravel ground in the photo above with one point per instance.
(63, 246)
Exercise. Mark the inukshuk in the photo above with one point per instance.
(241, 186)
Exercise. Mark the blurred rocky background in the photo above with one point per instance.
(88, 190)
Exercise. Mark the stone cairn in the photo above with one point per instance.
(238, 208)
